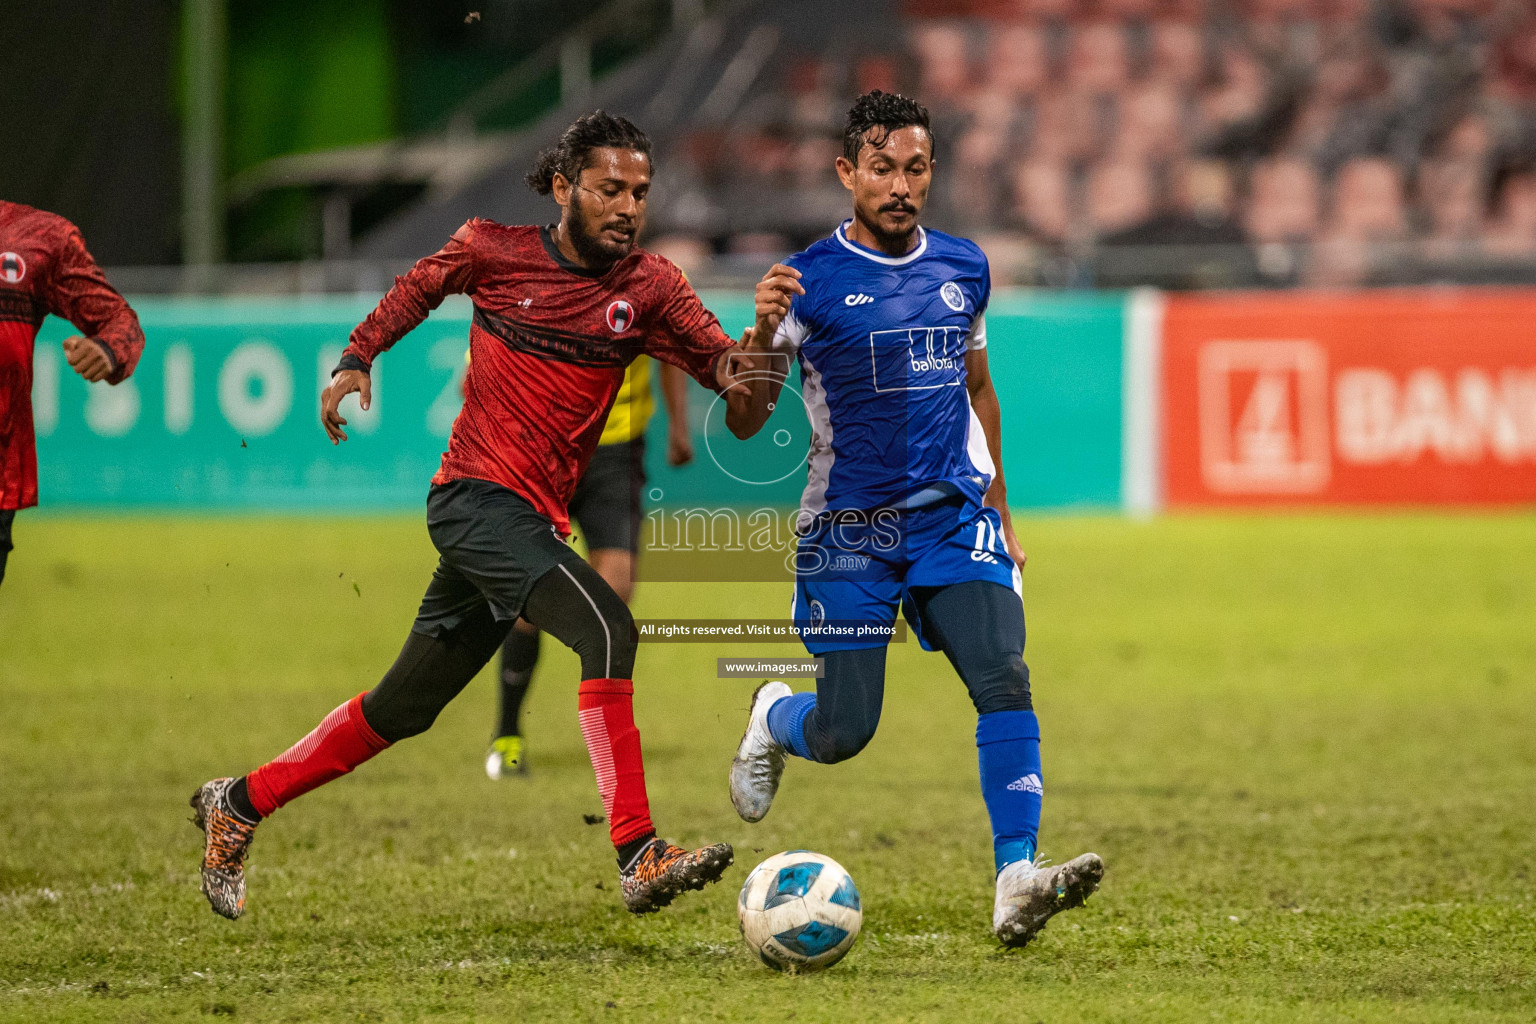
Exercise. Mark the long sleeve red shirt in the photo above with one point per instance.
(45, 268)
(549, 345)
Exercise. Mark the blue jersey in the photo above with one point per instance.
(882, 342)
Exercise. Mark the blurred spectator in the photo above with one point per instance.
(1234, 102)
(1194, 242)
(876, 73)
(1284, 201)
(943, 61)
(1119, 197)
(1043, 199)
(1200, 213)
(770, 245)
(1098, 58)
(813, 164)
(1283, 30)
(1345, 19)
(815, 105)
(1066, 127)
(1368, 202)
(1151, 124)
(689, 252)
(1018, 60)
(1451, 196)
(1347, 111)
(1514, 64)
(1470, 140)
(1366, 215)
(1448, 21)
(1511, 233)
(971, 179)
(1010, 257)
(1177, 55)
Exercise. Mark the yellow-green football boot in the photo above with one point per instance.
(508, 756)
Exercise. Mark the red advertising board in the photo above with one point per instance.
(1302, 398)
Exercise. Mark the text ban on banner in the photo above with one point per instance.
(1405, 397)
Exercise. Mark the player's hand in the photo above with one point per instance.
(774, 293)
(997, 498)
(679, 446)
(1015, 549)
(342, 385)
(88, 357)
(734, 364)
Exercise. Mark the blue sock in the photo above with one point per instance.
(1008, 749)
(786, 723)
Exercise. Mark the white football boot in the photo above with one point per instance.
(1029, 894)
(759, 761)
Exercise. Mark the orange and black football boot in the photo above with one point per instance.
(660, 872)
(226, 838)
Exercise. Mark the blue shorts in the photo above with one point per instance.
(854, 568)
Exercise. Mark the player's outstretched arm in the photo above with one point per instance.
(978, 381)
(449, 271)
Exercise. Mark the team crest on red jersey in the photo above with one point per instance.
(620, 316)
(13, 268)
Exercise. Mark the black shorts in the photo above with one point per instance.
(493, 546)
(7, 516)
(607, 505)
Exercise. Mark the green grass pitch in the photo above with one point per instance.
(1305, 747)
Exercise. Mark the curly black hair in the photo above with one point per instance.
(875, 115)
(569, 156)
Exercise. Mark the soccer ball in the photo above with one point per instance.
(800, 911)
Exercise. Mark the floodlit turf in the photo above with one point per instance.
(1305, 747)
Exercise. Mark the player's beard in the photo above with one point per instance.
(893, 241)
(590, 245)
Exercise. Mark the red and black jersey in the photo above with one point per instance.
(45, 268)
(548, 348)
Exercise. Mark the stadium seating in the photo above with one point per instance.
(1395, 135)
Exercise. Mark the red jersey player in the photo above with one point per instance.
(45, 268)
(559, 313)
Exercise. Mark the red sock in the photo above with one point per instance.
(606, 708)
(342, 741)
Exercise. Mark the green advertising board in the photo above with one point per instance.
(222, 412)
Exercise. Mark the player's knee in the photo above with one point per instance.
(839, 742)
(395, 719)
(1002, 686)
(607, 648)
(626, 638)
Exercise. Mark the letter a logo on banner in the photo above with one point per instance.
(1264, 417)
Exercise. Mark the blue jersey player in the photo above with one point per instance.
(905, 506)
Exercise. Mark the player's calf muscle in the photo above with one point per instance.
(429, 672)
(848, 705)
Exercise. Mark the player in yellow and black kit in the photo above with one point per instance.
(608, 509)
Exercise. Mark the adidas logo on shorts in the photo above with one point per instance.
(1028, 784)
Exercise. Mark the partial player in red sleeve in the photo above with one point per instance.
(45, 268)
(559, 313)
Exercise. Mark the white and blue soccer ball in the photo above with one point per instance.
(800, 911)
